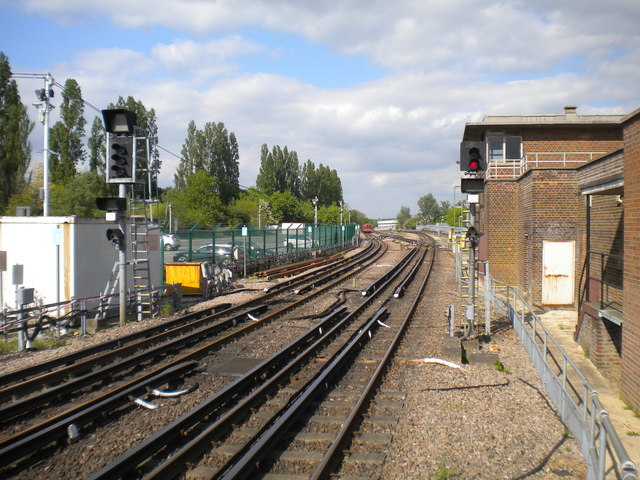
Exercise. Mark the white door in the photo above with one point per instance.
(557, 272)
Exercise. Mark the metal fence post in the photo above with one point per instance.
(83, 318)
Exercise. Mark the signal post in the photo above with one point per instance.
(120, 169)
(473, 164)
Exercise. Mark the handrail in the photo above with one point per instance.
(514, 168)
(572, 394)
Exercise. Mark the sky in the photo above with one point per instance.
(378, 90)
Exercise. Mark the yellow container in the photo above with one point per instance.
(190, 275)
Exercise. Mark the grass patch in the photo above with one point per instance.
(48, 342)
(40, 343)
(499, 366)
(166, 309)
(586, 352)
(445, 473)
(9, 346)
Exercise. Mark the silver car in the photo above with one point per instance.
(171, 241)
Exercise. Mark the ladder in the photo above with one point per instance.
(463, 254)
(139, 230)
(108, 292)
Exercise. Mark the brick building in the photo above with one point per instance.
(630, 377)
(552, 215)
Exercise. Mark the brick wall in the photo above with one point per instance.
(601, 340)
(630, 382)
(579, 138)
(499, 220)
(550, 205)
(607, 238)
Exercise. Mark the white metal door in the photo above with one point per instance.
(558, 266)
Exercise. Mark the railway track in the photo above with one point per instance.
(65, 375)
(68, 424)
(305, 383)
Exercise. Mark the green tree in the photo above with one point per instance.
(279, 171)
(285, 207)
(329, 186)
(97, 150)
(198, 201)
(429, 208)
(329, 214)
(15, 127)
(29, 196)
(215, 151)
(77, 196)
(308, 181)
(403, 215)
(67, 134)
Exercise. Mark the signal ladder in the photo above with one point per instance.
(142, 288)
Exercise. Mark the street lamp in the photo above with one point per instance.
(314, 200)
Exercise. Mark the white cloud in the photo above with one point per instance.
(394, 139)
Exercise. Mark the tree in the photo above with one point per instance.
(329, 186)
(308, 181)
(215, 151)
(198, 201)
(329, 214)
(66, 135)
(15, 127)
(429, 208)
(29, 196)
(285, 207)
(77, 196)
(403, 215)
(279, 171)
(97, 150)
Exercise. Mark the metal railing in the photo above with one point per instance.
(576, 401)
(516, 168)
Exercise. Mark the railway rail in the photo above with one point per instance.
(337, 339)
(29, 440)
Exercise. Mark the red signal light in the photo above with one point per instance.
(474, 160)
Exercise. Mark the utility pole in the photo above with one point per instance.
(44, 107)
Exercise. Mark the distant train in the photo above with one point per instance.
(366, 228)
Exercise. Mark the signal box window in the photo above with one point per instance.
(504, 148)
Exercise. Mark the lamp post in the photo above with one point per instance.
(44, 107)
(454, 204)
(314, 200)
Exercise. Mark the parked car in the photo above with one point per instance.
(171, 241)
(208, 253)
(294, 242)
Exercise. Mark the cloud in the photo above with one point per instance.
(392, 139)
(204, 60)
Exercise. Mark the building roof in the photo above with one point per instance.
(475, 130)
(631, 116)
